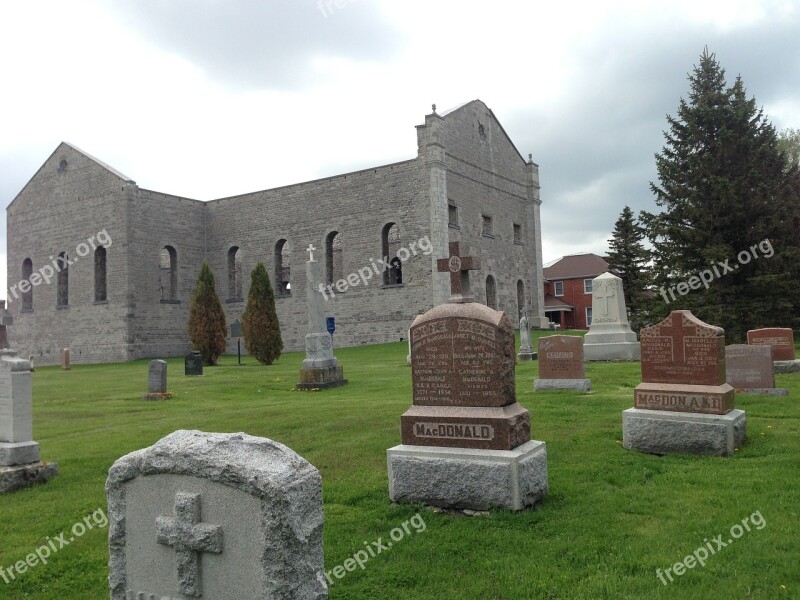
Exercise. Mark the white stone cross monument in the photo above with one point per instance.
(610, 336)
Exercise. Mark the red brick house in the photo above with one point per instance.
(568, 289)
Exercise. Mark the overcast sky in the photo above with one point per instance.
(211, 98)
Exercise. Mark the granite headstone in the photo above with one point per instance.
(193, 364)
(561, 365)
(749, 370)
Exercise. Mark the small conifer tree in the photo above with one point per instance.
(207, 328)
(262, 332)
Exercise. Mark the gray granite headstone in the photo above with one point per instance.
(157, 381)
(215, 515)
(749, 369)
(193, 363)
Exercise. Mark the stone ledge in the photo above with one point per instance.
(574, 385)
(666, 432)
(22, 476)
(469, 479)
(786, 366)
(18, 453)
(523, 356)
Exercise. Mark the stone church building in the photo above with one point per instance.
(106, 267)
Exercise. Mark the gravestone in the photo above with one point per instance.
(215, 515)
(561, 365)
(781, 339)
(193, 364)
(683, 403)
(20, 465)
(408, 358)
(65, 366)
(749, 370)
(526, 351)
(465, 441)
(610, 336)
(320, 369)
(157, 381)
(5, 320)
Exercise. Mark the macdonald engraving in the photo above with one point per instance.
(681, 402)
(454, 431)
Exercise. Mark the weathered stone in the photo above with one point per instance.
(215, 515)
(157, 381)
(787, 366)
(469, 479)
(781, 339)
(65, 364)
(749, 367)
(561, 365)
(666, 432)
(554, 385)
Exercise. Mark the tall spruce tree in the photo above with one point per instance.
(627, 257)
(262, 332)
(724, 190)
(206, 327)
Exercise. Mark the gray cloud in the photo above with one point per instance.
(257, 44)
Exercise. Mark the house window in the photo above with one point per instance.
(452, 215)
(587, 286)
(517, 233)
(558, 286)
(283, 270)
(486, 225)
(168, 274)
(588, 316)
(100, 275)
(390, 244)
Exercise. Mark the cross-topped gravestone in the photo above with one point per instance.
(610, 336)
(683, 403)
(189, 537)
(311, 251)
(215, 515)
(459, 268)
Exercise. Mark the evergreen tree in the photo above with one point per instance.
(627, 258)
(262, 332)
(789, 144)
(724, 190)
(207, 328)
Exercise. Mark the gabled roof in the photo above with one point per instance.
(552, 303)
(108, 168)
(576, 266)
(491, 112)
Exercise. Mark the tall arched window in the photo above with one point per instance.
(334, 269)
(235, 273)
(491, 293)
(62, 294)
(390, 244)
(168, 274)
(520, 298)
(100, 294)
(283, 271)
(27, 297)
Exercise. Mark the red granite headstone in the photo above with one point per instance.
(780, 338)
(749, 367)
(561, 357)
(462, 366)
(683, 367)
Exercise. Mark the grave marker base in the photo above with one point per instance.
(321, 378)
(573, 385)
(22, 476)
(787, 366)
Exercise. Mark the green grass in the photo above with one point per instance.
(611, 518)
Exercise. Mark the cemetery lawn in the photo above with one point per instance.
(612, 517)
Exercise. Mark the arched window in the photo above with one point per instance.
(62, 297)
(283, 259)
(168, 274)
(390, 244)
(520, 298)
(27, 297)
(334, 270)
(235, 273)
(100, 294)
(491, 293)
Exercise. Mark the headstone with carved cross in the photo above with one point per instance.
(320, 369)
(466, 440)
(215, 515)
(683, 404)
(610, 336)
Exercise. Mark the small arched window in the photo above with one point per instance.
(491, 293)
(168, 274)
(62, 294)
(390, 244)
(283, 270)
(100, 293)
(235, 273)
(334, 260)
(27, 297)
